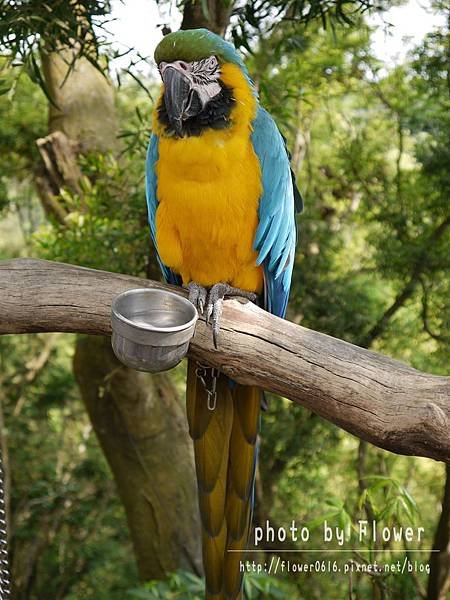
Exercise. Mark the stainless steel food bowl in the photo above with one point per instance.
(151, 329)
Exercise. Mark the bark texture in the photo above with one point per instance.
(83, 101)
(439, 579)
(212, 14)
(372, 396)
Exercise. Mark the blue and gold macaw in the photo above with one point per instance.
(221, 202)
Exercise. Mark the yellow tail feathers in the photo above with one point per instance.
(225, 458)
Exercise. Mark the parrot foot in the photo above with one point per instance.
(214, 305)
(197, 295)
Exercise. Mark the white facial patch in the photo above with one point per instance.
(205, 75)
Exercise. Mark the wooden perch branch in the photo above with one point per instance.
(373, 397)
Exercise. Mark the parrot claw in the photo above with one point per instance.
(209, 312)
(211, 304)
(214, 305)
(197, 296)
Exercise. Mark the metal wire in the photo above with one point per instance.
(5, 581)
(202, 373)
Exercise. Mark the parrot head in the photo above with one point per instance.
(190, 63)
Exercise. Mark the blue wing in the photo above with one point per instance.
(152, 205)
(276, 235)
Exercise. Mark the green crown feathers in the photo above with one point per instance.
(194, 44)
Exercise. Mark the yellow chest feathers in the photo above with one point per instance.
(208, 190)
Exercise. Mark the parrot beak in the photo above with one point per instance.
(180, 99)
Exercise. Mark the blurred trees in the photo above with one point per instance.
(370, 150)
(66, 523)
(374, 237)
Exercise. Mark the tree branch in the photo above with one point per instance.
(425, 316)
(409, 288)
(369, 395)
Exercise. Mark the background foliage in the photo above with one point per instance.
(370, 150)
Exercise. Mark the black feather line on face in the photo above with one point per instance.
(215, 115)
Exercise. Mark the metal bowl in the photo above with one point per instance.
(151, 329)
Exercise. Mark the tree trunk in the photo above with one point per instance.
(140, 423)
(83, 101)
(212, 14)
(439, 579)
